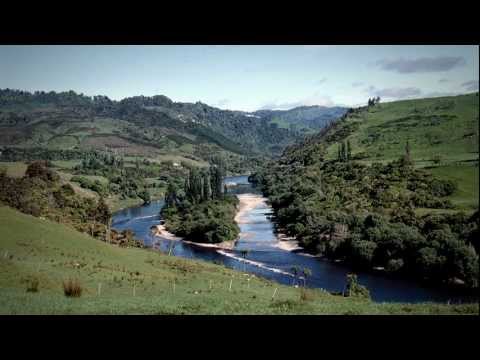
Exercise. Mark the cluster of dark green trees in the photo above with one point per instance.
(201, 211)
(41, 193)
(39, 153)
(344, 151)
(125, 180)
(373, 101)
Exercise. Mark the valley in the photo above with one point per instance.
(388, 192)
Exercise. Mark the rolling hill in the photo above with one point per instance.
(439, 130)
(148, 125)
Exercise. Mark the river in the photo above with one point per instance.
(266, 259)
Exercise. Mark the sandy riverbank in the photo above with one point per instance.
(160, 231)
(287, 243)
(247, 203)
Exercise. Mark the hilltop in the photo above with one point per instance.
(440, 131)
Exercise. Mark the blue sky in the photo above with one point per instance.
(245, 77)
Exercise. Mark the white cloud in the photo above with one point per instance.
(395, 92)
(222, 103)
(316, 99)
(421, 65)
(471, 85)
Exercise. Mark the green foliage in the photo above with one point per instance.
(201, 212)
(354, 289)
(211, 221)
(40, 193)
(368, 214)
(145, 196)
(40, 170)
(144, 124)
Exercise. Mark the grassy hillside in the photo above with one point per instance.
(466, 177)
(446, 127)
(32, 248)
(442, 134)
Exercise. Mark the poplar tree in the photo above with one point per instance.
(206, 188)
(343, 152)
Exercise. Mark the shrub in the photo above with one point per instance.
(394, 265)
(354, 289)
(72, 288)
(306, 294)
(362, 252)
(39, 169)
(33, 285)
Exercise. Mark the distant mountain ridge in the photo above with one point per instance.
(303, 118)
(69, 119)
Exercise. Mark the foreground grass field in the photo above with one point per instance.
(138, 281)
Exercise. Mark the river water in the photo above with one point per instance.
(265, 259)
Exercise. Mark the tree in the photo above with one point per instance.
(353, 288)
(363, 251)
(207, 193)
(145, 196)
(101, 214)
(216, 179)
(171, 198)
(39, 169)
(244, 253)
(343, 152)
(306, 273)
(349, 150)
(406, 160)
(296, 270)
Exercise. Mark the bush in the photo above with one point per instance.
(306, 294)
(354, 289)
(33, 285)
(394, 265)
(72, 288)
(39, 170)
(362, 252)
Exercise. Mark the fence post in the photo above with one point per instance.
(274, 293)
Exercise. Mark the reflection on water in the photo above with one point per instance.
(263, 258)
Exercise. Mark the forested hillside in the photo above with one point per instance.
(136, 125)
(392, 186)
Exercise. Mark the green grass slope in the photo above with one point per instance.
(32, 248)
(442, 133)
(446, 127)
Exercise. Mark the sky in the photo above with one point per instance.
(245, 77)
